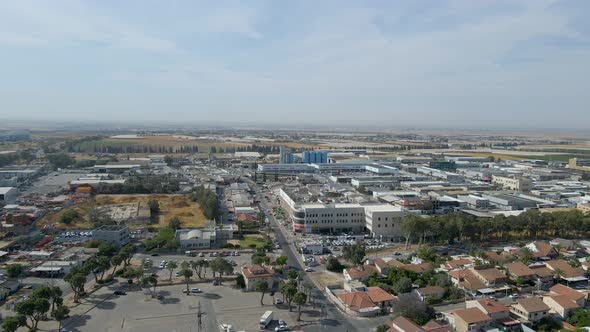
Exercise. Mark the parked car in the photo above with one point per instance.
(119, 292)
(196, 290)
(282, 328)
(309, 269)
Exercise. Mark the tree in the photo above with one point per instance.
(92, 265)
(526, 255)
(127, 253)
(402, 285)
(261, 286)
(299, 299)
(14, 270)
(547, 324)
(68, 216)
(107, 249)
(289, 289)
(115, 262)
(427, 254)
(410, 306)
(382, 328)
(60, 160)
(104, 263)
(60, 314)
(334, 265)
(52, 294)
(148, 281)
(187, 274)
(76, 278)
(174, 223)
(32, 309)
(281, 260)
(10, 324)
(240, 282)
(354, 253)
(171, 267)
(154, 206)
(580, 317)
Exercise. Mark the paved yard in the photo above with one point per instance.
(138, 312)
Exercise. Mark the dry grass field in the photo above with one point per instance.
(180, 206)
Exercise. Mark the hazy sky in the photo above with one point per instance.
(390, 63)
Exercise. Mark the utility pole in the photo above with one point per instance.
(199, 318)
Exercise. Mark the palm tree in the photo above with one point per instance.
(187, 274)
(557, 273)
(299, 299)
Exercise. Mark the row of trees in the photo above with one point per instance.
(207, 200)
(463, 227)
(10, 158)
(43, 300)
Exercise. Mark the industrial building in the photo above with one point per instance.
(315, 157)
(116, 234)
(513, 183)
(8, 195)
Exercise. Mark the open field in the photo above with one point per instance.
(180, 206)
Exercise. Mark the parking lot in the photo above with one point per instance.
(163, 273)
(138, 311)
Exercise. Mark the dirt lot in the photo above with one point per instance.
(180, 206)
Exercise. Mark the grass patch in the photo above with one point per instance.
(253, 239)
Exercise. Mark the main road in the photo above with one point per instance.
(331, 318)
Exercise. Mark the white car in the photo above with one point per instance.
(196, 290)
(309, 269)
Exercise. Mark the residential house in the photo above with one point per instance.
(544, 276)
(518, 270)
(418, 268)
(360, 303)
(363, 275)
(497, 258)
(564, 271)
(381, 298)
(383, 264)
(562, 305)
(255, 273)
(466, 280)
(428, 292)
(529, 310)
(470, 319)
(542, 250)
(568, 245)
(580, 297)
(402, 324)
(491, 277)
(455, 264)
(491, 308)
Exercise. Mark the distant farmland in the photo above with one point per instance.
(153, 144)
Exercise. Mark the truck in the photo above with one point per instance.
(265, 319)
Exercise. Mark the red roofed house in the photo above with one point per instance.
(360, 303)
(561, 305)
(577, 296)
(470, 319)
(254, 273)
(402, 324)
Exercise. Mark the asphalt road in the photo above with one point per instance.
(332, 319)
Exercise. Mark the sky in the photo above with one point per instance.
(436, 63)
